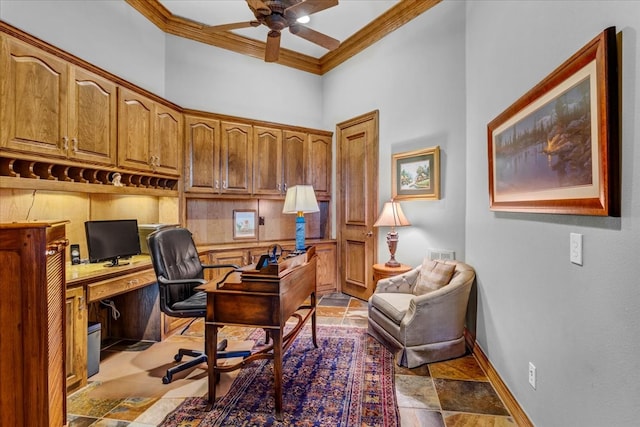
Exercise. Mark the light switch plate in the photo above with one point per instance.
(575, 248)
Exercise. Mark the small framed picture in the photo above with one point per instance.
(416, 174)
(244, 224)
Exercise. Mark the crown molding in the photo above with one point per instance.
(394, 18)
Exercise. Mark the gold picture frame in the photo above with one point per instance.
(416, 174)
(556, 149)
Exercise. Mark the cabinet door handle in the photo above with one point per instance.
(65, 143)
(224, 184)
(74, 144)
(217, 186)
(369, 234)
(284, 187)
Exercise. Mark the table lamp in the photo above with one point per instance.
(392, 216)
(300, 199)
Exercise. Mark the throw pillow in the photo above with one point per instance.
(433, 275)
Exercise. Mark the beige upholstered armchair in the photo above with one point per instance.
(422, 312)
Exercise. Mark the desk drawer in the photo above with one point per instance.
(112, 287)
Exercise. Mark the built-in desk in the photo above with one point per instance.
(106, 282)
(133, 291)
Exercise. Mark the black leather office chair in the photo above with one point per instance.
(179, 270)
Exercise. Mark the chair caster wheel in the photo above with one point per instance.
(166, 379)
(177, 357)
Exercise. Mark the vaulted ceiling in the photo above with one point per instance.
(357, 24)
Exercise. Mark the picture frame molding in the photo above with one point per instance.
(603, 199)
(431, 154)
(249, 215)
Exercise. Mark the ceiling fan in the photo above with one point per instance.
(278, 15)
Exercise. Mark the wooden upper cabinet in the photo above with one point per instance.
(135, 125)
(149, 134)
(235, 158)
(202, 155)
(267, 167)
(33, 111)
(167, 141)
(92, 118)
(318, 164)
(293, 150)
(278, 160)
(52, 108)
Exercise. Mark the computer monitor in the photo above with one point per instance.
(112, 240)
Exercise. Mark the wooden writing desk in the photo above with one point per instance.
(262, 301)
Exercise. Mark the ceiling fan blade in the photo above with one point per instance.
(314, 36)
(272, 51)
(228, 27)
(308, 7)
(259, 7)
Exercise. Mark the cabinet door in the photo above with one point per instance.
(267, 167)
(135, 121)
(326, 269)
(33, 108)
(203, 155)
(319, 164)
(293, 150)
(167, 141)
(92, 118)
(237, 257)
(235, 158)
(76, 345)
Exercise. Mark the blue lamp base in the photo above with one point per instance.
(300, 230)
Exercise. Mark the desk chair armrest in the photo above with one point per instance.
(166, 281)
(235, 267)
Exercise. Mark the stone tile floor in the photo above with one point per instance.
(128, 391)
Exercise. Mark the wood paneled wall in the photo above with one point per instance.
(29, 205)
(211, 220)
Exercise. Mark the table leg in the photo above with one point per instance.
(211, 340)
(276, 335)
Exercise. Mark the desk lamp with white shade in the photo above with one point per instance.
(300, 199)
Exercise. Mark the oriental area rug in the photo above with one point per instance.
(347, 381)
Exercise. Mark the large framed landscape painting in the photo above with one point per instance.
(416, 174)
(556, 149)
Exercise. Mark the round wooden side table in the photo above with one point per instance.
(381, 271)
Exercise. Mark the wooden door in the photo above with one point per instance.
(135, 125)
(92, 118)
(167, 141)
(33, 104)
(235, 158)
(203, 155)
(357, 191)
(293, 150)
(318, 169)
(267, 169)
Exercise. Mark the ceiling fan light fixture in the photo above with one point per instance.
(304, 19)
